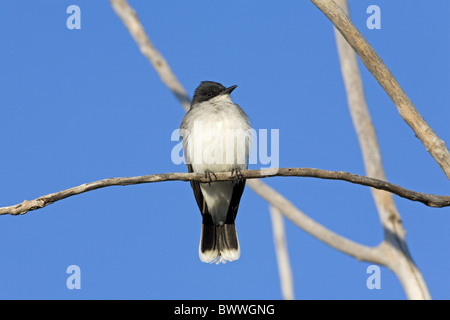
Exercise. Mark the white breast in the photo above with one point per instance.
(217, 137)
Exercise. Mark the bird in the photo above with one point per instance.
(216, 137)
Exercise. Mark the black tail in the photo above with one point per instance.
(219, 243)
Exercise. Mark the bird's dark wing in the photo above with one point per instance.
(238, 190)
(198, 193)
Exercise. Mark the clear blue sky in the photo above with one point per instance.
(82, 105)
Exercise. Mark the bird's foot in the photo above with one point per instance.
(209, 175)
(238, 172)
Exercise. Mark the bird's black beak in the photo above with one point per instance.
(229, 90)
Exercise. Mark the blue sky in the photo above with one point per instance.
(82, 105)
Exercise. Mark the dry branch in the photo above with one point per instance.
(434, 145)
(395, 235)
(280, 243)
(354, 249)
(131, 21)
(427, 199)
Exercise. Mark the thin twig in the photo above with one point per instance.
(354, 249)
(284, 265)
(131, 21)
(434, 145)
(427, 199)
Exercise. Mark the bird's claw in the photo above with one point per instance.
(209, 175)
(238, 172)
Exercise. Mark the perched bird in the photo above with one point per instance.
(216, 138)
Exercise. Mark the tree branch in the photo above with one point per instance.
(280, 243)
(395, 245)
(131, 21)
(434, 145)
(354, 249)
(427, 199)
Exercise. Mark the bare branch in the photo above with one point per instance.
(427, 199)
(284, 265)
(131, 21)
(356, 250)
(416, 287)
(434, 145)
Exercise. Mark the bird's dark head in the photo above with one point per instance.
(208, 90)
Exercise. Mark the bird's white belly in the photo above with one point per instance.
(219, 141)
(218, 196)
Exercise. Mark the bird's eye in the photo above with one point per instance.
(209, 93)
